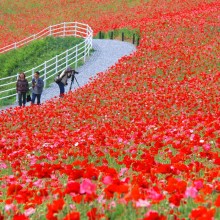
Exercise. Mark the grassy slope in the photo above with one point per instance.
(34, 54)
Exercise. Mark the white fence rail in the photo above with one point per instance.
(51, 67)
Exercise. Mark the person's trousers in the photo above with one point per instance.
(22, 98)
(62, 90)
(34, 97)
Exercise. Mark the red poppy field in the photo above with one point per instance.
(141, 140)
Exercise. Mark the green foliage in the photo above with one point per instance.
(124, 211)
(119, 210)
(34, 54)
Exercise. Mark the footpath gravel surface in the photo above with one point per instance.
(106, 54)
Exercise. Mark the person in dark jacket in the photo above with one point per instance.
(37, 88)
(22, 88)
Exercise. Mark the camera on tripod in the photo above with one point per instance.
(74, 72)
(72, 76)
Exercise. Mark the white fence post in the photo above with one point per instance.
(75, 27)
(66, 58)
(50, 31)
(32, 76)
(16, 88)
(76, 56)
(86, 42)
(32, 73)
(45, 73)
(84, 52)
(64, 29)
(56, 64)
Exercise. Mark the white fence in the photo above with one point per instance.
(51, 67)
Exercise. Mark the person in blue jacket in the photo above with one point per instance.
(37, 87)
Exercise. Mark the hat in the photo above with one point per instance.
(68, 68)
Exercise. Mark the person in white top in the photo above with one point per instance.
(63, 79)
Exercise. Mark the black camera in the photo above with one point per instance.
(75, 72)
(72, 75)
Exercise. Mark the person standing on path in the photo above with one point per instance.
(22, 88)
(37, 88)
(63, 79)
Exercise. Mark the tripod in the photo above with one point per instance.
(72, 79)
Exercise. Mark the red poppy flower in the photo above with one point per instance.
(217, 201)
(202, 213)
(72, 216)
(175, 199)
(20, 217)
(116, 188)
(72, 187)
(92, 214)
(55, 207)
(77, 198)
(153, 215)
(13, 189)
(174, 185)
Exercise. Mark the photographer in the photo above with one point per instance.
(63, 79)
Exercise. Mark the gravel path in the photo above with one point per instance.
(106, 54)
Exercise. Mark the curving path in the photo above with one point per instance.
(106, 54)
